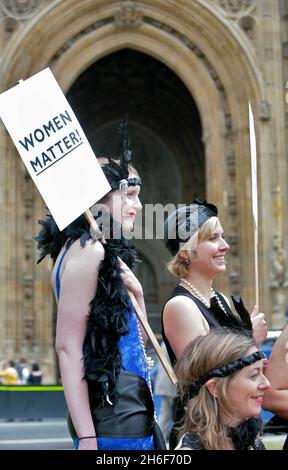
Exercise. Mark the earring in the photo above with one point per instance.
(187, 263)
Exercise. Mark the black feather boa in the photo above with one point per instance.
(107, 321)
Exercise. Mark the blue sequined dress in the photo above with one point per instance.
(133, 360)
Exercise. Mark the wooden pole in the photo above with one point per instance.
(153, 340)
(94, 229)
(253, 152)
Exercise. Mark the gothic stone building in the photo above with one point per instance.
(185, 71)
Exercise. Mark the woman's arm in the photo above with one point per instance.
(183, 322)
(78, 286)
(133, 284)
(276, 398)
(276, 401)
(259, 325)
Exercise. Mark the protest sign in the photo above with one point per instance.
(53, 147)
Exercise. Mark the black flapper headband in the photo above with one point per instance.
(185, 221)
(124, 184)
(225, 371)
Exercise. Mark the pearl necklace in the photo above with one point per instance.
(219, 302)
(148, 359)
(197, 293)
(200, 296)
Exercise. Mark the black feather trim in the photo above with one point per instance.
(126, 153)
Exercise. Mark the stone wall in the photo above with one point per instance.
(225, 52)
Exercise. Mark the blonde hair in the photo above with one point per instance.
(205, 353)
(177, 265)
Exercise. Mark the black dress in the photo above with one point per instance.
(214, 315)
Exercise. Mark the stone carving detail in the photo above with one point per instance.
(286, 120)
(284, 8)
(233, 241)
(128, 14)
(19, 9)
(248, 24)
(231, 164)
(234, 7)
(285, 49)
(241, 12)
(10, 25)
(72, 40)
(265, 110)
(232, 203)
(279, 273)
(28, 277)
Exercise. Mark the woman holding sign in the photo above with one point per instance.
(98, 339)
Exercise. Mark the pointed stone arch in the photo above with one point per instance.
(214, 60)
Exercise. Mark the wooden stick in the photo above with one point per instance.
(94, 229)
(256, 266)
(254, 188)
(153, 340)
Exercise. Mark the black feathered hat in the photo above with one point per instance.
(185, 221)
(118, 174)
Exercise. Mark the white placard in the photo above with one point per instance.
(53, 147)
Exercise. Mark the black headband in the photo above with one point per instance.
(188, 220)
(134, 182)
(124, 184)
(225, 371)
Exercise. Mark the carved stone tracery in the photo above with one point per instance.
(80, 34)
(128, 14)
(279, 273)
(241, 12)
(236, 7)
(19, 9)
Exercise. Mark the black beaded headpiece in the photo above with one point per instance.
(225, 371)
(118, 175)
(185, 221)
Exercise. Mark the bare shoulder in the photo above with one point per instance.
(280, 349)
(91, 248)
(277, 369)
(182, 321)
(182, 305)
(91, 254)
(82, 261)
